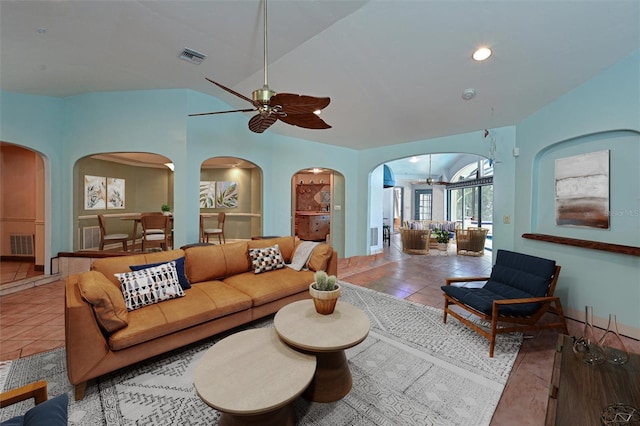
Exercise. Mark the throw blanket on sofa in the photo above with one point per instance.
(302, 255)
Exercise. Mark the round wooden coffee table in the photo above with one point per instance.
(326, 337)
(251, 377)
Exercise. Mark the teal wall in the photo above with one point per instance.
(603, 112)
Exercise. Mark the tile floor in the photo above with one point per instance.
(32, 320)
(11, 271)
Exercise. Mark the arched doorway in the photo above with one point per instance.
(22, 213)
(456, 187)
(317, 203)
(131, 182)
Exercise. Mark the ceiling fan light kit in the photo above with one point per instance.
(295, 110)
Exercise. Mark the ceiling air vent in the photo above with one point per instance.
(192, 56)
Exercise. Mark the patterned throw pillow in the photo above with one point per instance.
(182, 276)
(266, 259)
(151, 285)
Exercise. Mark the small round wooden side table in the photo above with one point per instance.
(252, 377)
(326, 337)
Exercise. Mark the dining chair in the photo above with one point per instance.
(110, 238)
(219, 230)
(155, 231)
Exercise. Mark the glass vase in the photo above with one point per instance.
(587, 346)
(614, 349)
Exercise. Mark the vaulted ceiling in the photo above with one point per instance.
(395, 70)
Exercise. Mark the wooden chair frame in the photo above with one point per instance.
(37, 391)
(219, 230)
(151, 223)
(550, 303)
(110, 238)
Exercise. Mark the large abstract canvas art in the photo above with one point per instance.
(582, 190)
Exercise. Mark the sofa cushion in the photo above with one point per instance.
(236, 257)
(106, 300)
(273, 285)
(266, 259)
(204, 301)
(150, 285)
(320, 257)
(182, 277)
(528, 273)
(109, 266)
(287, 245)
(205, 263)
(481, 299)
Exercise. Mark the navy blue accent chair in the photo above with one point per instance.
(47, 412)
(513, 299)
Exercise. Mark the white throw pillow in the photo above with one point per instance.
(150, 285)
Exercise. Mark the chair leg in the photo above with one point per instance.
(492, 336)
(80, 390)
(446, 306)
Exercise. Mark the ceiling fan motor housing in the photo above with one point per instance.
(263, 95)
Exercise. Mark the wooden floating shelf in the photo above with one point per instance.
(594, 245)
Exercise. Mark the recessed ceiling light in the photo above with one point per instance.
(481, 54)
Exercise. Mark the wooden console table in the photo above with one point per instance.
(579, 391)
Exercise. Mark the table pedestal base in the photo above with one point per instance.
(332, 380)
(283, 416)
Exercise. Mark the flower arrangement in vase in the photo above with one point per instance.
(442, 237)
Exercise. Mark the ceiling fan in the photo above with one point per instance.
(293, 109)
(430, 180)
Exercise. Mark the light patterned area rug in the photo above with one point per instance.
(411, 370)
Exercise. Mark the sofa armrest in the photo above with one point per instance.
(332, 265)
(86, 346)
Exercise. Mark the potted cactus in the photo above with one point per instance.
(325, 292)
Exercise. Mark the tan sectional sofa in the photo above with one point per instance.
(102, 335)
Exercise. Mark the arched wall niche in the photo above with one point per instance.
(134, 182)
(233, 185)
(624, 152)
(23, 201)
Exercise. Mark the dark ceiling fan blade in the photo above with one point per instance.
(291, 103)
(233, 92)
(308, 120)
(261, 122)
(223, 112)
